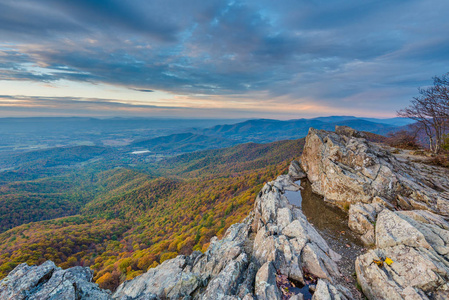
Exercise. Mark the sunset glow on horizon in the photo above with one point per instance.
(226, 59)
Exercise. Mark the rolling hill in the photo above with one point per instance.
(181, 143)
(52, 157)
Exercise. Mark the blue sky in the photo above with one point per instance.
(233, 59)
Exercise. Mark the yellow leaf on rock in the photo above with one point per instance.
(379, 263)
(388, 261)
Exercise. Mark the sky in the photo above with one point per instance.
(283, 59)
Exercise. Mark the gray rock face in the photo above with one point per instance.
(398, 206)
(416, 242)
(167, 279)
(415, 272)
(347, 169)
(50, 282)
(362, 218)
(295, 171)
(266, 287)
(326, 291)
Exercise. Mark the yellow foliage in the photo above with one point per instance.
(205, 246)
(133, 274)
(168, 255)
(105, 278)
(173, 245)
(220, 233)
(153, 265)
(98, 260)
(145, 261)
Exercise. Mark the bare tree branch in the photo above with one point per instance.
(431, 110)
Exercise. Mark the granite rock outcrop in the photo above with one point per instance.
(397, 206)
(47, 282)
(347, 169)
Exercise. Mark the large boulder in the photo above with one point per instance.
(217, 273)
(415, 243)
(347, 169)
(295, 171)
(413, 274)
(362, 218)
(50, 282)
(166, 280)
(266, 288)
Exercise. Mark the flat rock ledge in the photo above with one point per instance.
(398, 207)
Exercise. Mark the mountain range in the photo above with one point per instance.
(261, 131)
(120, 149)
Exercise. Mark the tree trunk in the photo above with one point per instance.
(431, 144)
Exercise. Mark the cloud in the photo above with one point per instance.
(329, 52)
(72, 106)
(181, 106)
(142, 90)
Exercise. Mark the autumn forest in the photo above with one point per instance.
(121, 218)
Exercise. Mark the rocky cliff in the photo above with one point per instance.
(398, 207)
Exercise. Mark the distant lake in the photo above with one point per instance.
(141, 152)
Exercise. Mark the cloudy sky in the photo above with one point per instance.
(229, 59)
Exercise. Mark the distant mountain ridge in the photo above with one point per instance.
(259, 131)
(268, 130)
(389, 121)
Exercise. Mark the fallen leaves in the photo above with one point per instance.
(284, 284)
(380, 263)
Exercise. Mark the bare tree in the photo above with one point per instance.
(441, 89)
(431, 110)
